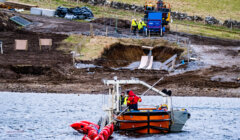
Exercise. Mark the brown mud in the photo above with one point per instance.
(51, 70)
(119, 55)
(120, 23)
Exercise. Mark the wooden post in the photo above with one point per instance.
(91, 30)
(188, 55)
(73, 57)
(116, 24)
(106, 31)
(173, 63)
(1, 47)
(176, 32)
(231, 22)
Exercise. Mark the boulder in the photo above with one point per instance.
(74, 13)
(231, 23)
(211, 20)
(179, 16)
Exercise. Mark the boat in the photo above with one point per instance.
(153, 120)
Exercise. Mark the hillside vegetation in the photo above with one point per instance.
(221, 9)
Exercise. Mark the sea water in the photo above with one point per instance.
(28, 116)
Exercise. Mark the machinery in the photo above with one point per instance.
(157, 17)
(152, 120)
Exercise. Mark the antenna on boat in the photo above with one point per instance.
(152, 86)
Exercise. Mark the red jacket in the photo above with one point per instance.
(132, 98)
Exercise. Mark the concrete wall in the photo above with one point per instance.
(47, 12)
(36, 11)
(42, 12)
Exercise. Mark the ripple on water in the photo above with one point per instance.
(48, 116)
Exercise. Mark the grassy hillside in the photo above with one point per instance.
(221, 9)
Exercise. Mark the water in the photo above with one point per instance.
(27, 116)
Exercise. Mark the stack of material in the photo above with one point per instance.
(43, 12)
(36, 11)
(74, 13)
(48, 12)
(19, 5)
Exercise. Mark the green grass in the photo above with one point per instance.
(221, 9)
(207, 26)
(205, 30)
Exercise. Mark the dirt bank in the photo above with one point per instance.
(69, 80)
(112, 22)
(33, 56)
(119, 55)
(5, 23)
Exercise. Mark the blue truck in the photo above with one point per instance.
(157, 17)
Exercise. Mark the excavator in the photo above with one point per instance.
(157, 17)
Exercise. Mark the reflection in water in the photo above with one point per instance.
(48, 116)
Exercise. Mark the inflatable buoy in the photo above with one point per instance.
(92, 134)
(107, 131)
(110, 127)
(86, 138)
(83, 126)
(92, 129)
(99, 137)
(104, 133)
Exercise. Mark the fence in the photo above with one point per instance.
(205, 31)
(1, 47)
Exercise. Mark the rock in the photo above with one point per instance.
(194, 18)
(231, 23)
(179, 16)
(211, 20)
(74, 13)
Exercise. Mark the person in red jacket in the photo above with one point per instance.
(133, 100)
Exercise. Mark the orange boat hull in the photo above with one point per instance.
(145, 122)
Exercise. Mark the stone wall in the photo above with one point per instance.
(175, 15)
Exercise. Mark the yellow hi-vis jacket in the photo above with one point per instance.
(140, 26)
(143, 24)
(125, 101)
(134, 23)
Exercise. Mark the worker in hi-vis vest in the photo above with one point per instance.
(141, 26)
(123, 100)
(134, 26)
